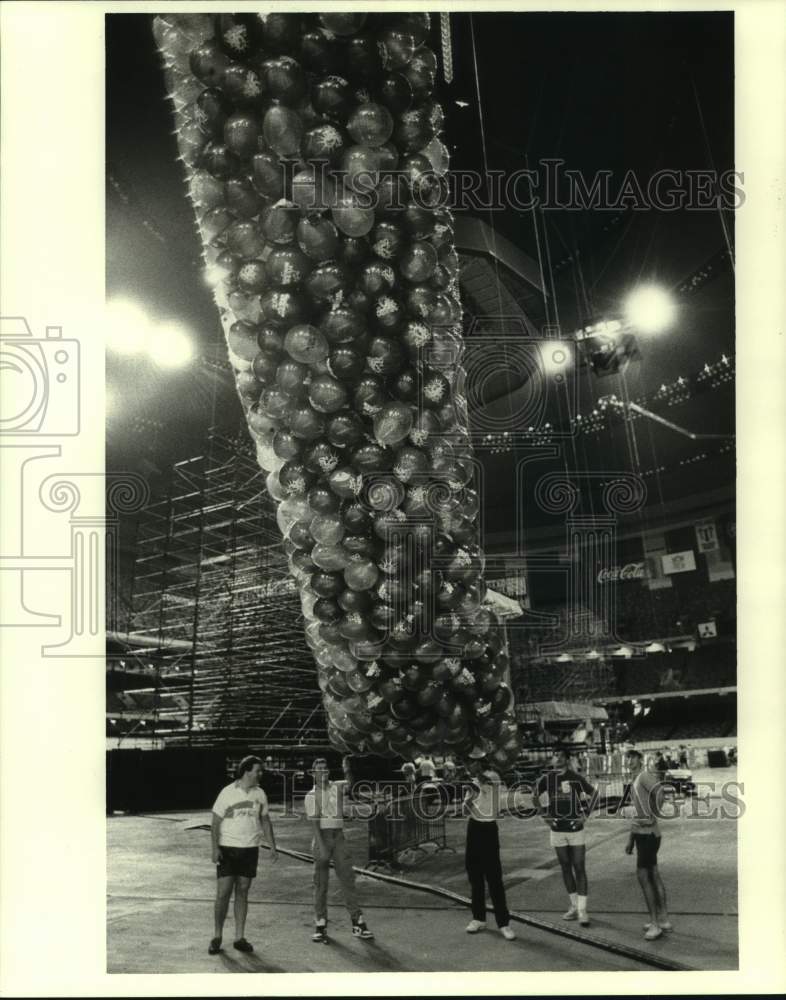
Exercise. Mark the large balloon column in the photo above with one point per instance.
(315, 166)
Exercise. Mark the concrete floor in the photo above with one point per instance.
(161, 885)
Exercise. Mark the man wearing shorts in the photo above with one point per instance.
(324, 806)
(240, 820)
(564, 815)
(645, 793)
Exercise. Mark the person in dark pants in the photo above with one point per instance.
(482, 854)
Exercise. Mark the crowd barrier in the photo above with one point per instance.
(409, 822)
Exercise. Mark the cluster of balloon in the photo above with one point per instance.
(316, 168)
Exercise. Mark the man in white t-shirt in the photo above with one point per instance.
(427, 769)
(324, 806)
(240, 821)
(646, 798)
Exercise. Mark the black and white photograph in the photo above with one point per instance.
(408, 577)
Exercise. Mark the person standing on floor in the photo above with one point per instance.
(240, 821)
(564, 815)
(646, 790)
(324, 806)
(482, 854)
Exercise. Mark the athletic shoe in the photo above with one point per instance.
(476, 925)
(214, 947)
(360, 930)
(242, 945)
(664, 926)
(653, 933)
(507, 933)
(584, 919)
(320, 934)
(571, 914)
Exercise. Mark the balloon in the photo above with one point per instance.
(304, 422)
(241, 197)
(267, 175)
(393, 423)
(346, 363)
(331, 558)
(342, 24)
(211, 111)
(321, 457)
(278, 222)
(361, 165)
(332, 97)
(326, 394)
(344, 482)
(219, 161)
(323, 500)
(324, 142)
(283, 130)
(395, 92)
(286, 267)
(385, 356)
(328, 282)
(418, 262)
(344, 430)
(319, 52)
(284, 79)
(280, 32)
(265, 367)
(370, 124)
(350, 215)
(342, 324)
(361, 574)
(208, 63)
(317, 238)
(327, 529)
(313, 190)
(241, 133)
(251, 276)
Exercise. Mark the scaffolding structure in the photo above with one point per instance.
(214, 615)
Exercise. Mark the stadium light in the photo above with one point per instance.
(650, 309)
(127, 327)
(170, 346)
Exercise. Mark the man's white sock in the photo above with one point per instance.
(582, 904)
(574, 899)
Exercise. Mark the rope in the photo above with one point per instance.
(447, 47)
(633, 954)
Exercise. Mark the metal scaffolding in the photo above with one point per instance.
(215, 613)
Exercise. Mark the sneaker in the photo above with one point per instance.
(214, 947)
(320, 934)
(653, 933)
(242, 945)
(665, 925)
(571, 914)
(360, 930)
(476, 925)
(584, 919)
(507, 933)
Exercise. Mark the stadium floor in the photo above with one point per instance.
(161, 885)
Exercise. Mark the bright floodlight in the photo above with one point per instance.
(650, 309)
(127, 327)
(170, 346)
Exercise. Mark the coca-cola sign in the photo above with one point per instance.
(630, 571)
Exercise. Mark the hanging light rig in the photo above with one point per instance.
(317, 172)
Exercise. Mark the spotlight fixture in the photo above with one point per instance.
(650, 309)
